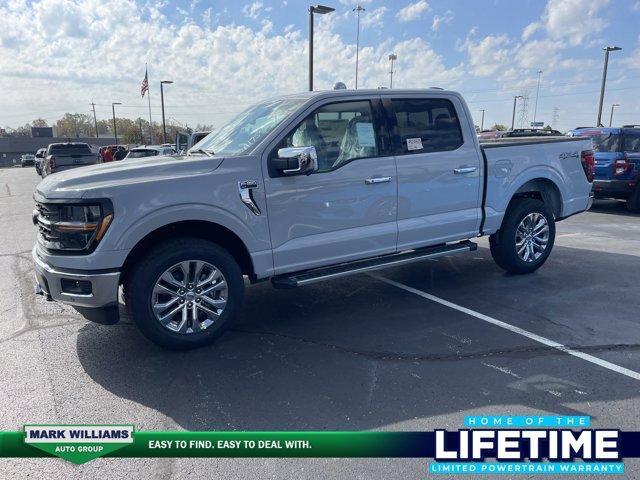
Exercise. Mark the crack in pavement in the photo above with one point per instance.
(427, 357)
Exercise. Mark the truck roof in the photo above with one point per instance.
(369, 91)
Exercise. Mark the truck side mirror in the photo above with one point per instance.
(296, 160)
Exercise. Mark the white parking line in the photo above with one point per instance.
(514, 329)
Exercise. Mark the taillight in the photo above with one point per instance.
(52, 162)
(621, 165)
(588, 164)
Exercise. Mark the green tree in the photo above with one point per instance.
(499, 127)
(39, 122)
(75, 125)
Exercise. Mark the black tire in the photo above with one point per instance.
(503, 242)
(633, 202)
(140, 282)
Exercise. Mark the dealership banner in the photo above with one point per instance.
(485, 445)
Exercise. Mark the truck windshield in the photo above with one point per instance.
(249, 128)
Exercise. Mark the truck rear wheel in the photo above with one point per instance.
(184, 293)
(525, 238)
(633, 202)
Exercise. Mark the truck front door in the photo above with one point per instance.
(439, 170)
(347, 209)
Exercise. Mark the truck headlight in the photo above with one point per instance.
(72, 227)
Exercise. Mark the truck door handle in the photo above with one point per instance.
(374, 180)
(462, 170)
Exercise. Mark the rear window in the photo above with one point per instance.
(606, 142)
(631, 143)
(142, 153)
(426, 125)
(70, 149)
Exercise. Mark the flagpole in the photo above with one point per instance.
(149, 99)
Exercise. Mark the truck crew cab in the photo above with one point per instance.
(298, 189)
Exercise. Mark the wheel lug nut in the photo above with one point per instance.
(198, 300)
(182, 300)
(198, 290)
(189, 304)
(190, 286)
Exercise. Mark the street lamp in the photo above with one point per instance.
(164, 126)
(482, 121)
(604, 80)
(320, 9)
(513, 115)
(613, 105)
(113, 109)
(358, 9)
(535, 108)
(392, 57)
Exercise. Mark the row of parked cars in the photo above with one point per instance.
(64, 156)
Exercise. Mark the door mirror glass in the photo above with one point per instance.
(296, 160)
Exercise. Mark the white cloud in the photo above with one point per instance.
(573, 20)
(488, 55)
(255, 9)
(636, 7)
(218, 70)
(374, 18)
(530, 30)
(413, 11)
(438, 20)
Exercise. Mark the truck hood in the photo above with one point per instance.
(77, 182)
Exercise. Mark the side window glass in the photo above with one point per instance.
(340, 132)
(426, 125)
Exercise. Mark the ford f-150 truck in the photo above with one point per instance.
(298, 189)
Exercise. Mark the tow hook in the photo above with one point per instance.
(40, 291)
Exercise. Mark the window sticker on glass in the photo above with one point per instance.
(414, 144)
(366, 136)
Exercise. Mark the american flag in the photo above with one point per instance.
(144, 88)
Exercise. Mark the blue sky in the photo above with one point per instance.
(59, 55)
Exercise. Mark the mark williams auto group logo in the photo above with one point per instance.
(78, 443)
(527, 445)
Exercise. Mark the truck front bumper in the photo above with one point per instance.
(92, 293)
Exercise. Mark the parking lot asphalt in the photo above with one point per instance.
(388, 352)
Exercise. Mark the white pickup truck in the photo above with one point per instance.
(298, 189)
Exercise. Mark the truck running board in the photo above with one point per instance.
(298, 279)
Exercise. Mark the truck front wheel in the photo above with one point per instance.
(184, 293)
(525, 238)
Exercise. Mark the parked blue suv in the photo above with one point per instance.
(617, 172)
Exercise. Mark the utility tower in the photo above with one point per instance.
(523, 117)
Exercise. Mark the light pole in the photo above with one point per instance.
(513, 115)
(535, 108)
(164, 125)
(392, 57)
(95, 120)
(604, 80)
(321, 9)
(358, 9)
(482, 121)
(613, 105)
(113, 109)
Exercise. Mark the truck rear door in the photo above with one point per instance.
(439, 169)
